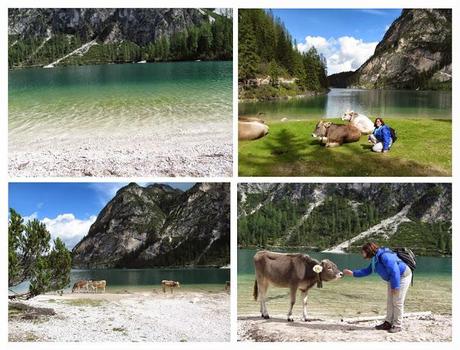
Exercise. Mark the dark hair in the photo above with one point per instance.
(370, 248)
(381, 121)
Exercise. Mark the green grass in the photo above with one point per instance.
(423, 148)
(351, 297)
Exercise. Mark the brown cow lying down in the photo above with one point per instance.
(95, 285)
(336, 134)
(293, 271)
(170, 284)
(251, 128)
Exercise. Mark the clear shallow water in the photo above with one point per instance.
(145, 279)
(161, 97)
(373, 103)
(426, 265)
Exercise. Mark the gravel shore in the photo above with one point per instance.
(199, 154)
(433, 328)
(184, 316)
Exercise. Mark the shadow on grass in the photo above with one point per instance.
(285, 154)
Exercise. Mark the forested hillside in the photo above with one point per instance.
(39, 37)
(269, 63)
(324, 216)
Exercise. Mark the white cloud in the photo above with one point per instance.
(343, 54)
(30, 217)
(68, 228)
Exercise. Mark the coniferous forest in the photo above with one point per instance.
(210, 40)
(269, 63)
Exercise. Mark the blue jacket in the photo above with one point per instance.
(387, 265)
(383, 134)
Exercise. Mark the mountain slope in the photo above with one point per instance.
(415, 53)
(341, 217)
(159, 226)
(40, 36)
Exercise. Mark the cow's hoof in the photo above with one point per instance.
(306, 319)
(290, 319)
(266, 317)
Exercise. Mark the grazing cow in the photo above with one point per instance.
(251, 128)
(334, 135)
(227, 286)
(170, 284)
(293, 271)
(95, 285)
(82, 284)
(360, 121)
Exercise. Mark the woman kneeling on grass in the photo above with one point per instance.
(381, 136)
(398, 275)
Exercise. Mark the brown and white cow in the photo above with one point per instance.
(79, 285)
(251, 128)
(95, 285)
(333, 135)
(293, 271)
(170, 285)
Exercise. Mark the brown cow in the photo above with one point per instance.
(170, 284)
(82, 284)
(334, 135)
(293, 271)
(227, 286)
(251, 128)
(95, 285)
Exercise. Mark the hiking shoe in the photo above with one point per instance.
(395, 329)
(385, 326)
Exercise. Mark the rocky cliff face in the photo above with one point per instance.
(138, 25)
(326, 215)
(159, 226)
(415, 53)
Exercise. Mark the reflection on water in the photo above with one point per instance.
(142, 279)
(373, 103)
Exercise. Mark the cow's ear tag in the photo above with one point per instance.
(317, 268)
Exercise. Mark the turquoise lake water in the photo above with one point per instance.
(426, 265)
(118, 98)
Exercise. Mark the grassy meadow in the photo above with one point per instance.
(350, 297)
(423, 148)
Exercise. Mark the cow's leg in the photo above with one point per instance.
(263, 286)
(293, 292)
(332, 144)
(304, 304)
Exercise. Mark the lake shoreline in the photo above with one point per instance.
(116, 63)
(139, 316)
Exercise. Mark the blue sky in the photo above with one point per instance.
(346, 37)
(67, 209)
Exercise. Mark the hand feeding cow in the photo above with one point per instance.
(360, 121)
(293, 271)
(334, 135)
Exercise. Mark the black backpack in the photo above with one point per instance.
(394, 135)
(408, 257)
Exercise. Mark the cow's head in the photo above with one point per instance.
(349, 115)
(327, 271)
(321, 129)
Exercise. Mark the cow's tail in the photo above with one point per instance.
(256, 290)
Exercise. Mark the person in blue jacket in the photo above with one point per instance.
(398, 277)
(381, 137)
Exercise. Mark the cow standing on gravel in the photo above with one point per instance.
(293, 271)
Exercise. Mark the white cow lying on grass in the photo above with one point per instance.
(360, 121)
